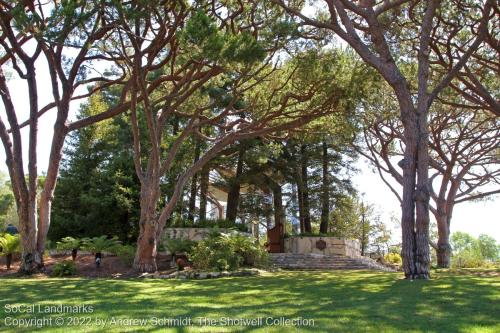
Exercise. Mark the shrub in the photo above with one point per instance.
(393, 258)
(250, 250)
(64, 268)
(215, 253)
(467, 259)
(227, 252)
(10, 244)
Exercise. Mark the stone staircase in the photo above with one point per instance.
(324, 262)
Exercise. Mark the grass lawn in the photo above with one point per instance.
(339, 301)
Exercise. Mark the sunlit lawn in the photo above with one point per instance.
(341, 301)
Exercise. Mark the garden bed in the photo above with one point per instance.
(111, 267)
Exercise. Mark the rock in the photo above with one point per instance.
(150, 275)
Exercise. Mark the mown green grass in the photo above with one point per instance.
(340, 301)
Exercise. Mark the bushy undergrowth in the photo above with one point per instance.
(393, 258)
(222, 251)
(64, 268)
(471, 259)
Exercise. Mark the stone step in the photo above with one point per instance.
(324, 262)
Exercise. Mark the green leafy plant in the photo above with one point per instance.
(250, 250)
(393, 258)
(68, 243)
(226, 251)
(100, 244)
(64, 268)
(179, 245)
(10, 244)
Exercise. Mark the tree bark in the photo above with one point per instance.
(267, 208)
(204, 183)
(325, 197)
(194, 183)
(47, 195)
(31, 259)
(300, 200)
(443, 251)
(408, 200)
(279, 213)
(233, 195)
(422, 261)
(305, 188)
(145, 258)
(443, 218)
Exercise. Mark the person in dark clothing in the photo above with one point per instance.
(12, 230)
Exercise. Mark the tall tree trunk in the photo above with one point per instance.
(255, 230)
(233, 195)
(268, 208)
(31, 259)
(305, 188)
(194, 182)
(294, 206)
(443, 251)
(325, 196)
(47, 195)
(408, 203)
(300, 200)
(422, 196)
(204, 183)
(145, 258)
(279, 213)
(364, 234)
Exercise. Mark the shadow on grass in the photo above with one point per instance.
(340, 301)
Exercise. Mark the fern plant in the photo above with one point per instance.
(97, 245)
(9, 245)
(100, 244)
(69, 244)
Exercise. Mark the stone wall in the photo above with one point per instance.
(194, 234)
(323, 245)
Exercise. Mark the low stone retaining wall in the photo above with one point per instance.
(196, 275)
(195, 234)
(323, 245)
